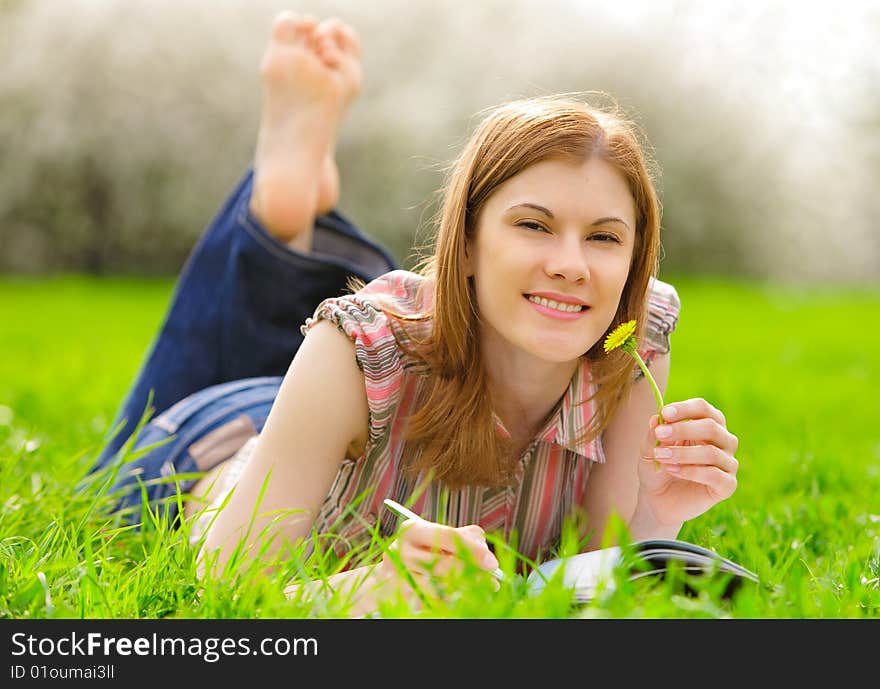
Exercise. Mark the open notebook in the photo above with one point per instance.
(586, 573)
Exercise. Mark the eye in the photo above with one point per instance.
(530, 224)
(605, 237)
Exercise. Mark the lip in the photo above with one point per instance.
(561, 298)
(554, 313)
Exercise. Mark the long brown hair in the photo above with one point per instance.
(453, 433)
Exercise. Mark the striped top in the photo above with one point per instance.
(550, 476)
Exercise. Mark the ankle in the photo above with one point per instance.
(285, 203)
(328, 187)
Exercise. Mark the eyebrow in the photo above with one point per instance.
(545, 211)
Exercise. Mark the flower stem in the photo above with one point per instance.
(657, 395)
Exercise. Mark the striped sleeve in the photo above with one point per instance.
(376, 351)
(664, 307)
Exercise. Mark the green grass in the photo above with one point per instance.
(790, 367)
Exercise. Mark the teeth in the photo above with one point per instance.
(568, 308)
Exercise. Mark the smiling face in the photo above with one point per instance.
(550, 257)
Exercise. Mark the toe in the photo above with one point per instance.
(328, 31)
(329, 26)
(343, 35)
(308, 23)
(350, 41)
(284, 28)
(328, 50)
(290, 27)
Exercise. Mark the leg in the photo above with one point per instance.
(246, 289)
(311, 73)
(196, 435)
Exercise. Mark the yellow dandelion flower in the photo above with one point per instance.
(620, 335)
(623, 336)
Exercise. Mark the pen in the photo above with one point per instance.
(404, 513)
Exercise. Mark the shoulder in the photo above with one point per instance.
(663, 295)
(402, 292)
(399, 293)
(363, 317)
(663, 310)
(393, 311)
(664, 303)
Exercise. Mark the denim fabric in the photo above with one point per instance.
(235, 314)
(168, 441)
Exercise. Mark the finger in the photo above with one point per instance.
(440, 538)
(474, 532)
(696, 408)
(479, 548)
(422, 533)
(708, 455)
(427, 562)
(420, 560)
(483, 555)
(720, 483)
(697, 430)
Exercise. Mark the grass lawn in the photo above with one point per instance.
(790, 367)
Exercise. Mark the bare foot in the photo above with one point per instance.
(306, 86)
(340, 48)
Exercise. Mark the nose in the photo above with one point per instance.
(567, 259)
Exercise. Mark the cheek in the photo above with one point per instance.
(620, 283)
(489, 299)
(494, 271)
(620, 273)
(614, 284)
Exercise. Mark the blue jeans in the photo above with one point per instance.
(230, 334)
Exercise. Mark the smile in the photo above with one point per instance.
(555, 309)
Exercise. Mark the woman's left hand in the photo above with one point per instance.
(700, 469)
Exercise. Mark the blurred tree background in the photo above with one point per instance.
(124, 123)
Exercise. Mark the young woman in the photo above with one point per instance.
(476, 391)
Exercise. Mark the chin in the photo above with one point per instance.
(558, 353)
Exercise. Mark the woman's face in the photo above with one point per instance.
(550, 258)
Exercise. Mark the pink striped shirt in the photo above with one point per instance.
(550, 476)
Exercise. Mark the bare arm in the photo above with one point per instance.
(321, 408)
(614, 486)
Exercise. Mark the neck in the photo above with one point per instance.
(525, 389)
